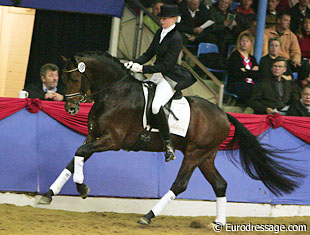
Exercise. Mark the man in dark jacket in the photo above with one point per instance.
(302, 106)
(224, 24)
(194, 15)
(273, 95)
(48, 89)
(298, 12)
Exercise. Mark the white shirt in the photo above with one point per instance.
(164, 32)
(193, 13)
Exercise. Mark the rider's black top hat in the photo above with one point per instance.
(168, 10)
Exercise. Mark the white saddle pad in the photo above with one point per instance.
(180, 108)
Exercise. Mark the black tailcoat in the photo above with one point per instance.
(167, 53)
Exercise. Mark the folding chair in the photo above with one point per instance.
(230, 49)
(205, 48)
(232, 97)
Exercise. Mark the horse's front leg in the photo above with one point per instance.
(103, 143)
(61, 180)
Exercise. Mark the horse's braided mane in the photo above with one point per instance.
(105, 54)
(99, 53)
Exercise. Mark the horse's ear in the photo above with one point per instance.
(64, 59)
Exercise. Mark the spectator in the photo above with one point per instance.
(289, 44)
(302, 106)
(153, 26)
(286, 5)
(272, 96)
(303, 37)
(208, 3)
(298, 12)
(224, 24)
(147, 3)
(242, 69)
(271, 16)
(244, 16)
(303, 79)
(194, 17)
(265, 64)
(251, 32)
(48, 89)
(180, 3)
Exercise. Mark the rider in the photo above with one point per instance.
(167, 75)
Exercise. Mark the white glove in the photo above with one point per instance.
(128, 65)
(136, 68)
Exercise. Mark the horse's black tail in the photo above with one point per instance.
(260, 163)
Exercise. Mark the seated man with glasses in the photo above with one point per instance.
(273, 95)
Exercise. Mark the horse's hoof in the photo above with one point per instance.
(143, 220)
(45, 200)
(83, 190)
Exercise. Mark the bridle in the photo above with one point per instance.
(81, 68)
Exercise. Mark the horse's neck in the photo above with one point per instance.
(100, 82)
(125, 91)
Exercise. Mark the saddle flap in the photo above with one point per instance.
(151, 94)
(177, 111)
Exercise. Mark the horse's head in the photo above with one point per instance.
(77, 82)
(89, 74)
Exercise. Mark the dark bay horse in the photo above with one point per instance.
(115, 123)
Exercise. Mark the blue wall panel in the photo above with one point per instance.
(18, 156)
(36, 148)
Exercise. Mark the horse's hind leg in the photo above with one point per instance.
(179, 186)
(219, 186)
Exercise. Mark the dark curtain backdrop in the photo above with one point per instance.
(63, 33)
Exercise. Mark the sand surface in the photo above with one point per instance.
(27, 220)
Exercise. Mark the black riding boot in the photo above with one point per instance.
(164, 132)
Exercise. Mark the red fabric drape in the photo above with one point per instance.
(78, 122)
(257, 124)
(8, 106)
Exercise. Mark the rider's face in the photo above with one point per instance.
(166, 22)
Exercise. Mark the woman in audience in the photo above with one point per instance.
(303, 37)
(251, 31)
(242, 69)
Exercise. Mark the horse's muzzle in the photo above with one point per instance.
(72, 108)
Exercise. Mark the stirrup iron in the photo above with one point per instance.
(169, 151)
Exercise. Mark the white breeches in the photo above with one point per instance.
(163, 92)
